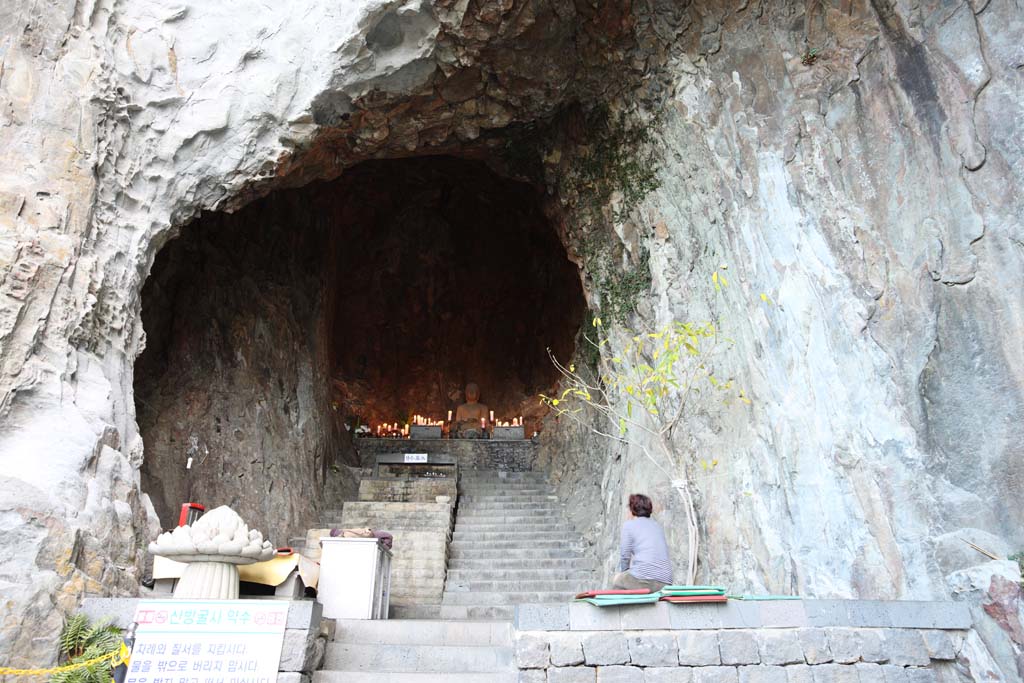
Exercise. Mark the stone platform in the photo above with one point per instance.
(476, 454)
(791, 641)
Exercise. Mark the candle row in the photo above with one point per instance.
(427, 422)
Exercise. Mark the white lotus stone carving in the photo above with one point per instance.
(212, 547)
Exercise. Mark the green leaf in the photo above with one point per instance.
(622, 425)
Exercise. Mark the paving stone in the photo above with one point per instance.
(738, 647)
(645, 617)
(605, 648)
(815, 645)
(532, 676)
(566, 649)
(873, 647)
(668, 674)
(542, 617)
(762, 674)
(653, 649)
(844, 644)
(572, 674)
(783, 613)
(893, 674)
(868, 672)
(740, 614)
(906, 647)
(301, 650)
(532, 652)
(292, 677)
(716, 674)
(695, 616)
(586, 617)
(835, 673)
(781, 646)
(698, 648)
(799, 673)
(824, 613)
(915, 675)
(939, 645)
(620, 674)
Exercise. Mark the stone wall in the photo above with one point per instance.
(421, 490)
(421, 534)
(486, 454)
(741, 642)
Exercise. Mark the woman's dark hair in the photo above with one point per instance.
(640, 505)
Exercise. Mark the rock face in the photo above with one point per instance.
(857, 162)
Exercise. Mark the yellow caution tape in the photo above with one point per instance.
(117, 657)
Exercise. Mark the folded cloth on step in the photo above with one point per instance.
(694, 598)
(618, 600)
(693, 590)
(632, 591)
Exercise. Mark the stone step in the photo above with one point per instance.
(505, 597)
(524, 561)
(472, 612)
(380, 677)
(530, 586)
(391, 658)
(510, 510)
(507, 491)
(531, 542)
(524, 522)
(424, 632)
(480, 506)
(525, 574)
(511, 532)
(501, 516)
(502, 499)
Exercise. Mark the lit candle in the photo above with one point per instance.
(483, 423)
(520, 420)
(492, 416)
(449, 416)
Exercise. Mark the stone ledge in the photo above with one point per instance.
(738, 614)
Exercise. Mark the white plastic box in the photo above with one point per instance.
(355, 578)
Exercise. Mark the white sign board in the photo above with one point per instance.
(207, 641)
(415, 457)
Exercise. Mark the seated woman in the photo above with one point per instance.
(645, 560)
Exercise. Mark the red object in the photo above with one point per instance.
(286, 550)
(190, 512)
(632, 591)
(694, 598)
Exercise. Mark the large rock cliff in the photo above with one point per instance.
(858, 162)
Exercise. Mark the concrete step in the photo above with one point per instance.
(501, 516)
(530, 512)
(509, 491)
(524, 574)
(391, 658)
(470, 498)
(505, 597)
(536, 585)
(517, 506)
(472, 612)
(512, 532)
(525, 561)
(530, 542)
(379, 677)
(525, 523)
(424, 632)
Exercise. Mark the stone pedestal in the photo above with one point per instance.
(208, 581)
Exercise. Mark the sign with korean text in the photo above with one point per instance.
(207, 641)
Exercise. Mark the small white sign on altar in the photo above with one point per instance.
(207, 641)
(415, 457)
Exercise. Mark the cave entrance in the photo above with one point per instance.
(366, 299)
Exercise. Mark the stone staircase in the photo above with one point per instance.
(512, 545)
(420, 650)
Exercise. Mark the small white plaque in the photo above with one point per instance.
(415, 457)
